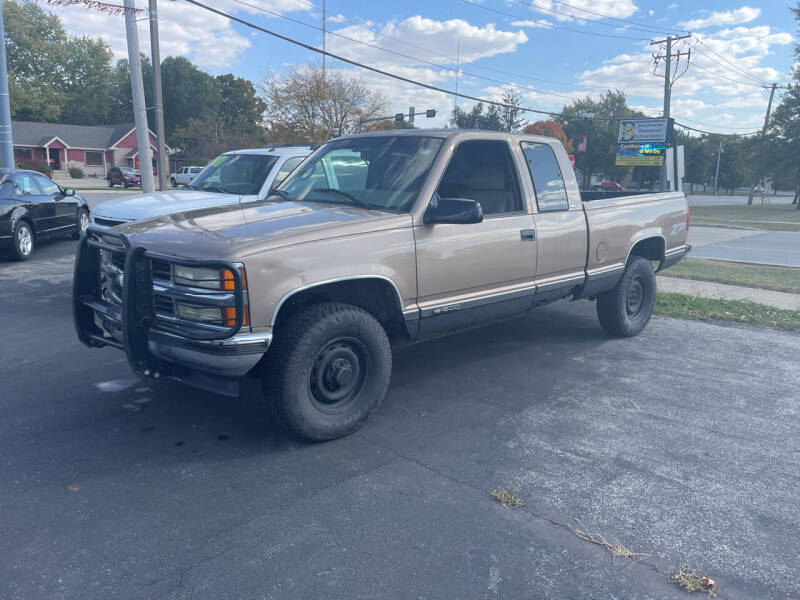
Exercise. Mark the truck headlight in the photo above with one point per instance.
(202, 277)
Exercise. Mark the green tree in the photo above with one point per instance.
(87, 71)
(240, 106)
(35, 47)
(476, 118)
(785, 130)
(511, 114)
(209, 138)
(590, 117)
(189, 93)
(120, 107)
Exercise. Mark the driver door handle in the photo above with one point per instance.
(527, 235)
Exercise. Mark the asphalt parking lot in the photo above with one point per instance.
(681, 444)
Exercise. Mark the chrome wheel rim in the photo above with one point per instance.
(24, 241)
(84, 222)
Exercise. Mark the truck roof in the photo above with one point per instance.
(448, 133)
(276, 150)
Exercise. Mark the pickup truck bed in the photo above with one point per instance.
(374, 238)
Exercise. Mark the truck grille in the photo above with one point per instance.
(163, 304)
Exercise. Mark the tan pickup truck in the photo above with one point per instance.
(373, 239)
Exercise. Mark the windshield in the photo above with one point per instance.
(384, 173)
(235, 174)
(128, 171)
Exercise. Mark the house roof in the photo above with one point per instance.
(27, 133)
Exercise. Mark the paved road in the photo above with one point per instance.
(746, 245)
(681, 443)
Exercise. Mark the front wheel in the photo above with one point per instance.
(625, 310)
(82, 222)
(124, 185)
(110, 183)
(328, 367)
(172, 182)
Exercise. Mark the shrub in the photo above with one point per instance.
(35, 165)
(76, 172)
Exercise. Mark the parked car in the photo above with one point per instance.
(183, 175)
(124, 176)
(34, 208)
(375, 238)
(238, 177)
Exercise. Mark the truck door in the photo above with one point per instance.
(467, 273)
(560, 224)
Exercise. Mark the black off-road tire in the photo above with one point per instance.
(324, 351)
(23, 243)
(625, 310)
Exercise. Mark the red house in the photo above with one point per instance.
(93, 148)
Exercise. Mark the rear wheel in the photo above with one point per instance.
(625, 310)
(327, 369)
(23, 241)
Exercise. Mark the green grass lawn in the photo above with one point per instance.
(779, 279)
(690, 307)
(778, 217)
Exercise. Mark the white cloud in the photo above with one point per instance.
(207, 39)
(745, 14)
(585, 10)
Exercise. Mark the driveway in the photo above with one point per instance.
(746, 245)
(681, 443)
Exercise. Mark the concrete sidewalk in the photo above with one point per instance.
(721, 291)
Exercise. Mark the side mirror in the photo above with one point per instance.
(69, 192)
(453, 210)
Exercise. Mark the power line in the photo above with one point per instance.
(550, 25)
(740, 82)
(591, 12)
(735, 67)
(651, 31)
(407, 79)
(714, 132)
(408, 56)
(449, 57)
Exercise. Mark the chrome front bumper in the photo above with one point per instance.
(232, 357)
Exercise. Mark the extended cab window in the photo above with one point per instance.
(483, 170)
(548, 183)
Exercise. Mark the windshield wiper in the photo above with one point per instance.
(353, 199)
(282, 194)
(213, 188)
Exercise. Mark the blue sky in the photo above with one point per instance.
(547, 49)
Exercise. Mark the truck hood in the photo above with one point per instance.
(143, 206)
(236, 232)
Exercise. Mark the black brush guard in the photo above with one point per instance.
(128, 325)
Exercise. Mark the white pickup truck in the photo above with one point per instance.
(236, 177)
(184, 175)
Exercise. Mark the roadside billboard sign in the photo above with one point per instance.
(643, 154)
(636, 131)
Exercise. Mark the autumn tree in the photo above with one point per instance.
(312, 105)
(551, 129)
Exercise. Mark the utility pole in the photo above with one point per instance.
(137, 93)
(458, 65)
(716, 175)
(6, 135)
(668, 91)
(155, 57)
(324, 19)
(763, 133)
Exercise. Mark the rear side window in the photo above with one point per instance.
(548, 183)
(483, 170)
